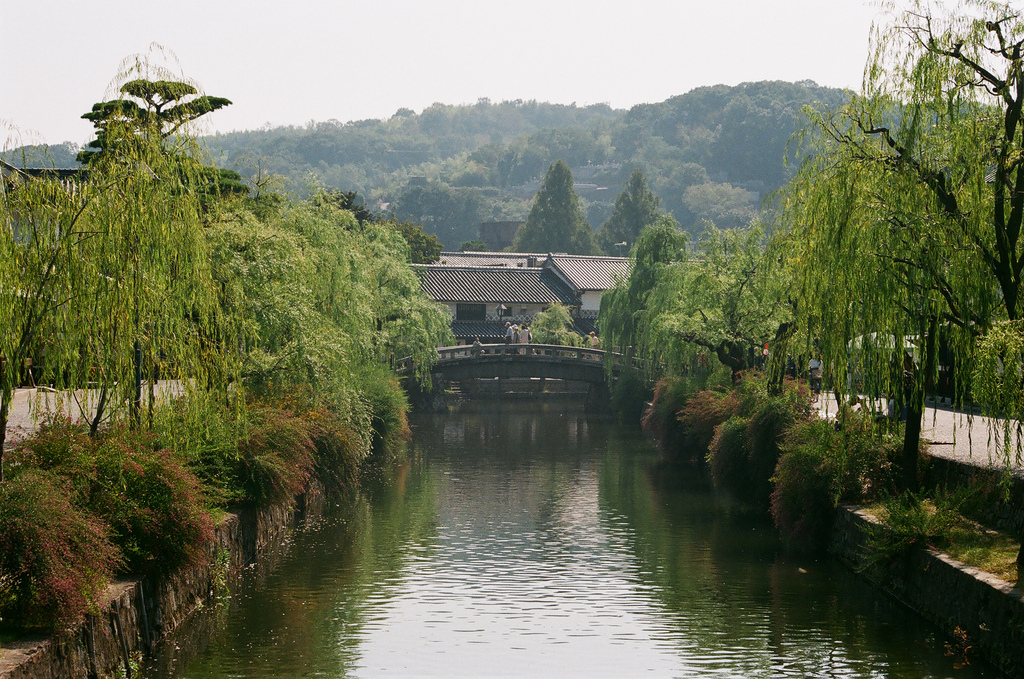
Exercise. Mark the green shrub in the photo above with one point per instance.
(771, 418)
(153, 503)
(205, 434)
(55, 558)
(807, 484)
(389, 408)
(908, 522)
(868, 456)
(630, 395)
(824, 463)
(727, 455)
(700, 417)
(275, 458)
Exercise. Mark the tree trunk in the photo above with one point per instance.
(5, 409)
(915, 390)
(731, 355)
(94, 423)
(777, 360)
(911, 445)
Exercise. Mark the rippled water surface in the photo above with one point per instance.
(538, 542)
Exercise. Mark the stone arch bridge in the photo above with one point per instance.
(516, 364)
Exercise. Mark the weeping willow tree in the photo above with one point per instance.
(107, 276)
(153, 308)
(322, 301)
(726, 298)
(624, 307)
(907, 215)
(39, 240)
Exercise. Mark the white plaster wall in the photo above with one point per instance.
(591, 301)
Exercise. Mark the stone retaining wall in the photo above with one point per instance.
(1002, 511)
(137, 612)
(944, 591)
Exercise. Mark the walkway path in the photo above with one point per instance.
(29, 405)
(954, 435)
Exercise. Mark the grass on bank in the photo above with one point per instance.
(913, 521)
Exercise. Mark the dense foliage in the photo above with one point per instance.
(215, 348)
(720, 300)
(556, 222)
(711, 153)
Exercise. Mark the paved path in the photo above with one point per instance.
(28, 406)
(954, 435)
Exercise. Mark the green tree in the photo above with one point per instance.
(424, 248)
(157, 109)
(635, 208)
(624, 307)
(475, 245)
(161, 107)
(554, 326)
(908, 213)
(724, 298)
(451, 214)
(39, 251)
(110, 276)
(556, 222)
(724, 205)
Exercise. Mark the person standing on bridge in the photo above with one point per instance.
(524, 337)
(477, 348)
(509, 332)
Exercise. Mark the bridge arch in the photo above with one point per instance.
(549, 361)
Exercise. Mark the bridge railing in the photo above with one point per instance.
(517, 352)
(520, 350)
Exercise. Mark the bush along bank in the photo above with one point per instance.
(772, 453)
(79, 510)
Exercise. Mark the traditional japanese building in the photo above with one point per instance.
(484, 290)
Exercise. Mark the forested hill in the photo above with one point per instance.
(711, 153)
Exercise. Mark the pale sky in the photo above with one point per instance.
(295, 61)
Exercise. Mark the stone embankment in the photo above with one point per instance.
(982, 610)
(137, 613)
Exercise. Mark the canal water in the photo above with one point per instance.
(537, 541)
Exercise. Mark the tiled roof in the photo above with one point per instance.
(493, 285)
(584, 325)
(583, 271)
(591, 273)
(509, 259)
(485, 330)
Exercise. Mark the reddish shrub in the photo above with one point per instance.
(55, 558)
(153, 503)
(701, 415)
(824, 463)
(62, 447)
(276, 455)
(670, 395)
(336, 447)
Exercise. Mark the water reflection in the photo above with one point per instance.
(522, 543)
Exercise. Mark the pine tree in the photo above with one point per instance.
(635, 208)
(556, 222)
